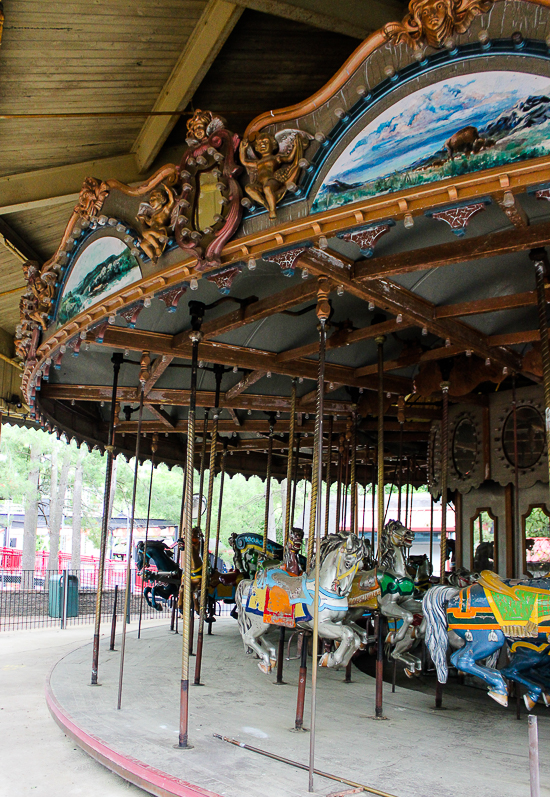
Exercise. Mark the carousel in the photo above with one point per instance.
(354, 290)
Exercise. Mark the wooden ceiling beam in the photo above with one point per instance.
(252, 312)
(335, 19)
(254, 359)
(209, 35)
(493, 245)
(339, 339)
(157, 369)
(397, 300)
(162, 415)
(511, 301)
(16, 245)
(244, 384)
(262, 427)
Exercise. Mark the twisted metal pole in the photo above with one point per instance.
(353, 476)
(323, 312)
(295, 479)
(268, 486)
(183, 740)
(444, 475)
(202, 464)
(339, 482)
(117, 360)
(129, 551)
(540, 259)
(220, 501)
(205, 556)
(380, 341)
(329, 458)
(154, 446)
(289, 461)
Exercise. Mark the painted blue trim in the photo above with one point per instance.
(528, 48)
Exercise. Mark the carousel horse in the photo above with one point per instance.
(390, 590)
(485, 616)
(249, 554)
(276, 597)
(167, 576)
(420, 570)
(484, 557)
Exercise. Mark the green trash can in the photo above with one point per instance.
(55, 596)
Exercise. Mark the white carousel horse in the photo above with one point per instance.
(277, 598)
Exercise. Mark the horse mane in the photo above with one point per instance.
(331, 543)
(388, 552)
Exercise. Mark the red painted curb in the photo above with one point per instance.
(153, 780)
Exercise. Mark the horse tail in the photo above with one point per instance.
(434, 606)
(241, 596)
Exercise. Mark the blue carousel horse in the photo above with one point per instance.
(485, 616)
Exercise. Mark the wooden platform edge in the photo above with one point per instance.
(146, 777)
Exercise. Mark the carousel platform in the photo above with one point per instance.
(473, 746)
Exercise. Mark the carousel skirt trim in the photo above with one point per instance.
(152, 780)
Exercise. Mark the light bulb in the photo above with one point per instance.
(399, 319)
(447, 343)
(424, 331)
(340, 290)
(408, 221)
(251, 263)
(305, 273)
(371, 306)
(194, 283)
(508, 199)
(322, 243)
(488, 362)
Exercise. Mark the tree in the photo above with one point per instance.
(77, 511)
(31, 508)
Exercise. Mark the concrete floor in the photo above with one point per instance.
(474, 746)
(36, 758)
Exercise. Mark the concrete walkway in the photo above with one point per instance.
(36, 758)
(472, 747)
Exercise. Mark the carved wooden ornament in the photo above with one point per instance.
(434, 21)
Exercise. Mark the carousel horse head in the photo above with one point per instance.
(396, 535)
(157, 552)
(340, 558)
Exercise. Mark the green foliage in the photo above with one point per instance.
(537, 524)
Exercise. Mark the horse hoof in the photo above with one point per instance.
(546, 698)
(389, 638)
(323, 661)
(529, 702)
(264, 668)
(409, 673)
(500, 698)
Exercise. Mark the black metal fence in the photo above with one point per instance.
(33, 599)
(38, 599)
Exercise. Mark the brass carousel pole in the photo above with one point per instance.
(268, 480)
(154, 446)
(380, 525)
(197, 311)
(329, 458)
(202, 464)
(353, 477)
(290, 462)
(339, 482)
(444, 474)
(282, 634)
(143, 377)
(205, 555)
(295, 479)
(401, 419)
(220, 502)
(117, 360)
(346, 470)
(323, 312)
(540, 259)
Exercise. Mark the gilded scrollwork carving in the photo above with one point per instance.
(34, 307)
(272, 162)
(155, 217)
(91, 198)
(434, 21)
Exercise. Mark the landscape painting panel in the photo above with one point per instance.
(453, 127)
(105, 266)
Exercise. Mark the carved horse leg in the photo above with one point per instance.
(252, 629)
(481, 644)
(349, 643)
(523, 660)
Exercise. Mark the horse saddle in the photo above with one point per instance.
(365, 589)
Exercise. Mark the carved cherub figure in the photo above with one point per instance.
(202, 124)
(436, 20)
(155, 221)
(39, 293)
(273, 166)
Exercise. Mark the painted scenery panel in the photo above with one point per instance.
(460, 125)
(105, 266)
